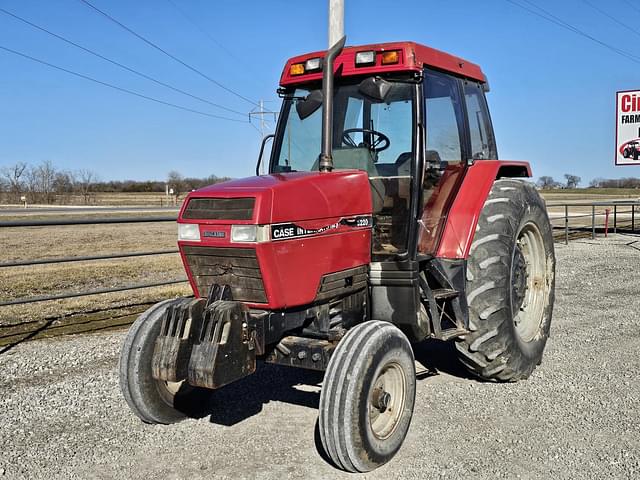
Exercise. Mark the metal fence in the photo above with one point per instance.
(569, 220)
(90, 221)
(588, 219)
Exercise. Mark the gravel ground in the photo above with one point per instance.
(62, 415)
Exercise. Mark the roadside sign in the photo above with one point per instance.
(628, 127)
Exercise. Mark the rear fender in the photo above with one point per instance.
(466, 207)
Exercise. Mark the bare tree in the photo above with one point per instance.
(63, 186)
(596, 183)
(85, 180)
(13, 176)
(572, 180)
(546, 181)
(176, 182)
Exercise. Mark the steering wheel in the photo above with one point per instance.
(379, 143)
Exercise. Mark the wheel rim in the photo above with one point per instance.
(530, 282)
(168, 390)
(386, 400)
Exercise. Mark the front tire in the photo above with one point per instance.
(510, 285)
(153, 401)
(367, 397)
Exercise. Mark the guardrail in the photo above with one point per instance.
(579, 219)
(86, 221)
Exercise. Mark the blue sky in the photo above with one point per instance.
(552, 93)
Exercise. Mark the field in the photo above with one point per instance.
(91, 312)
(157, 199)
(576, 417)
(150, 199)
(590, 194)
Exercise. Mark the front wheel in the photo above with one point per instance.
(153, 401)
(510, 285)
(367, 397)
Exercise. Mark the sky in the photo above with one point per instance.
(552, 95)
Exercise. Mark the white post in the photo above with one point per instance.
(336, 21)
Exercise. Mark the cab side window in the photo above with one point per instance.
(483, 144)
(444, 119)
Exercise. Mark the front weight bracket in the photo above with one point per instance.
(225, 350)
(179, 329)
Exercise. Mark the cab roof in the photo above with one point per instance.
(411, 57)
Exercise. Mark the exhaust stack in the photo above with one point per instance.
(326, 160)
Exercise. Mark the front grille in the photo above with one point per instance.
(236, 267)
(219, 209)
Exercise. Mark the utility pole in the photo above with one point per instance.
(336, 21)
(261, 113)
(261, 103)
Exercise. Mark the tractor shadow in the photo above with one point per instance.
(245, 398)
(439, 357)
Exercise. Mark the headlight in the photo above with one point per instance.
(243, 233)
(313, 65)
(249, 233)
(189, 231)
(364, 59)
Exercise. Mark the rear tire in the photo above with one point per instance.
(510, 285)
(367, 397)
(153, 401)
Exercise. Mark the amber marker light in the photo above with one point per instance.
(390, 57)
(297, 69)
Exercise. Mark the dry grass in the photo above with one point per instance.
(154, 199)
(590, 194)
(72, 240)
(47, 242)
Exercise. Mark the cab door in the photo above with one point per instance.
(446, 153)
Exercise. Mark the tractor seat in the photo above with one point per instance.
(403, 163)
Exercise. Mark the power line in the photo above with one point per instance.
(611, 17)
(558, 21)
(115, 87)
(189, 19)
(632, 5)
(173, 57)
(129, 69)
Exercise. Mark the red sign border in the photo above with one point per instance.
(615, 158)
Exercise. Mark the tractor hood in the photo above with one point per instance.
(284, 197)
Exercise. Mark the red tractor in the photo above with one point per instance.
(385, 219)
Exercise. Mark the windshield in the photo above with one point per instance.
(372, 131)
(371, 134)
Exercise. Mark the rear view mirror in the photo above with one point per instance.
(375, 87)
(309, 104)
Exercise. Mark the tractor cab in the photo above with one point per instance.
(398, 117)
